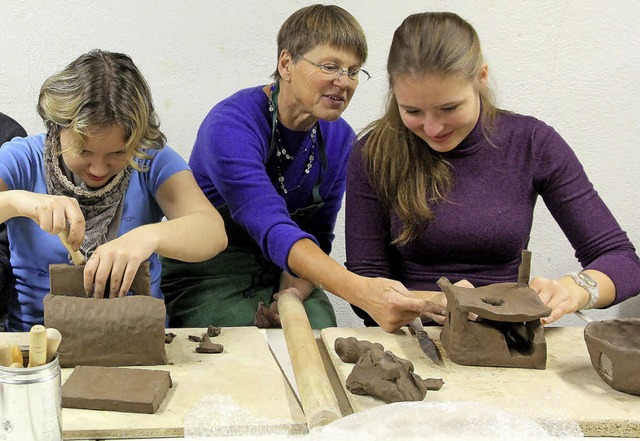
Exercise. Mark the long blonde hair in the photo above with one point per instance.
(405, 173)
(97, 90)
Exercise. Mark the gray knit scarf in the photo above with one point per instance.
(100, 207)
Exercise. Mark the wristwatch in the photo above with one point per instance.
(587, 282)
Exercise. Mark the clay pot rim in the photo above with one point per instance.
(606, 343)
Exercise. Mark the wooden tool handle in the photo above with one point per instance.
(5, 354)
(316, 394)
(76, 256)
(37, 346)
(54, 337)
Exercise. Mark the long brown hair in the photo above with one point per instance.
(405, 173)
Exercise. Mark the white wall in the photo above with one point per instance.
(574, 64)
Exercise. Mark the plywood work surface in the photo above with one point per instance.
(241, 391)
(568, 389)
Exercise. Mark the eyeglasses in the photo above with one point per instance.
(337, 70)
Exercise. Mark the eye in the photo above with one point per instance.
(450, 108)
(411, 111)
(331, 68)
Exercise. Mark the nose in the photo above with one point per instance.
(432, 126)
(342, 80)
(98, 167)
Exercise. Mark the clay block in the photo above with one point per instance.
(126, 331)
(116, 389)
(68, 280)
(614, 349)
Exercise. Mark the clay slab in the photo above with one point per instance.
(117, 389)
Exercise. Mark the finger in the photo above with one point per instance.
(117, 279)
(439, 319)
(295, 291)
(89, 274)
(58, 222)
(45, 218)
(127, 281)
(464, 283)
(76, 222)
(101, 276)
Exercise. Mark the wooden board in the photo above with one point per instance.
(245, 380)
(569, 389)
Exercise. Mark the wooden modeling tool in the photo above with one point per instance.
(37, 346)
(16, 365)
(16, 355)
(316, 394)
(53, 341)
(5, 354)
(76, 256)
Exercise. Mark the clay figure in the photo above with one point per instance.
(382, 374)
(350, 349)
(206, 346)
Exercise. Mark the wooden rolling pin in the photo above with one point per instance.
(319, 403)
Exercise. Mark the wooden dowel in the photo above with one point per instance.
(37, 346)
(53, 341)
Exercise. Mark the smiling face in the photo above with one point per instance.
(309, 94)
(102, 155)
(440, 109)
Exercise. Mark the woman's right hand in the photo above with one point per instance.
(53, 214)
(392, 305)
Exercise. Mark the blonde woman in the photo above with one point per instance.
(103, 173)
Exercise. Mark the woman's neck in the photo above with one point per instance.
(290, 113)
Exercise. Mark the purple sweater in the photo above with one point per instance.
(480, 233)
(228, 162)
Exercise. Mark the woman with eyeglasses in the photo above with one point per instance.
(273, 159)
(445, 184)
(103, 178)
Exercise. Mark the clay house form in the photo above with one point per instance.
(507, 332)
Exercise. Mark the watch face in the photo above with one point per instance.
(586, 278)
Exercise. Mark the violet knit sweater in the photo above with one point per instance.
(228, 162)
(480, 232)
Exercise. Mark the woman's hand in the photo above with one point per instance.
(392, 306)
(54, 214)
(439, 298)
(562, 295)
(117, 262)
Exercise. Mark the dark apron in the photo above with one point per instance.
(226, 290)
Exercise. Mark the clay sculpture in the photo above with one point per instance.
(614, 349)
(380, 373)
(126, 331)
(508, 331)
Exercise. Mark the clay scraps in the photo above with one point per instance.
(382, 374)
(206, 346)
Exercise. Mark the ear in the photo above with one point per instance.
(483, 76)
(284, 64)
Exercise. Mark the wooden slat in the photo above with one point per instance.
(245, 374)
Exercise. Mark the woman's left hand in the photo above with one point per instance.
(117, 262)
(562, 295)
